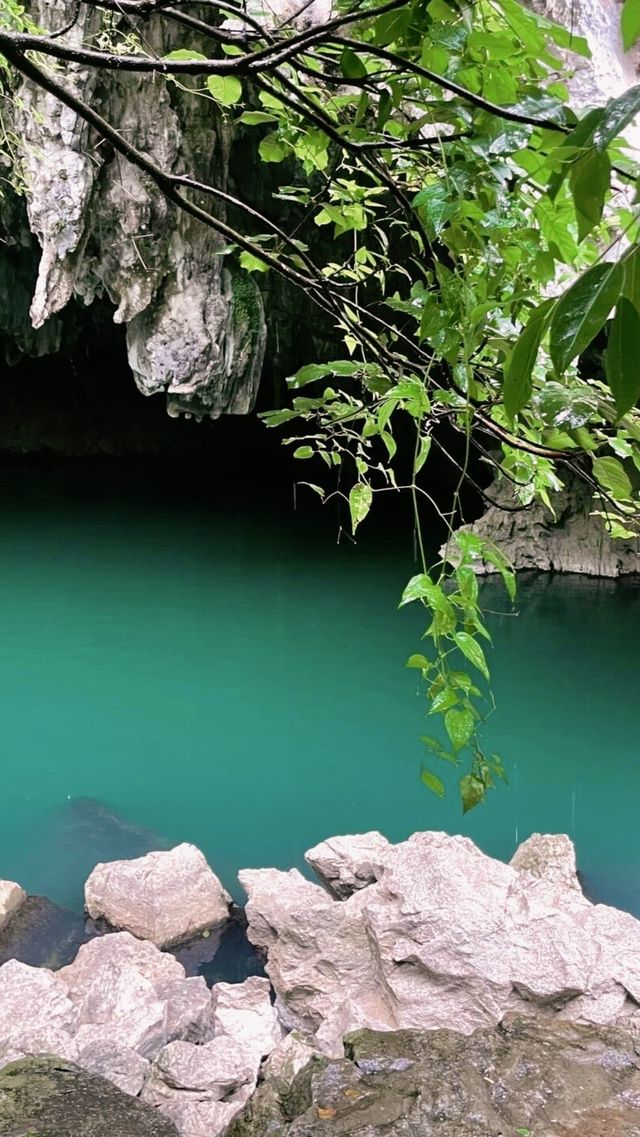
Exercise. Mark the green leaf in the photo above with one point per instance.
(460, 725)
(417, 589)
(309, 374)
(471, 791)
(433, 783)
(351, 65)
(303, 452)
(582, 311)
(472, 651)
(611, 475)
(256, 118)
(437, 207)
(630, 22)
(184, 55)
(423, 453)
(271, 149)
(589, 184)
(420, 662)
(360, 499)
(443, 701)
(517, 386)
(631, 278)
(618, 113)
(251, 263)
(225, 89)
(622, 357)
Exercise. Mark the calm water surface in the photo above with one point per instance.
(233, 678)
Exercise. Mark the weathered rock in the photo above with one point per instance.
(194, 330)
(345, 864)
(212, 1072)
(445, 937)
(164, 897)
(31, 1000)
(121, 949)
(202, 1087)
(572, 541)
(244, 1012)
(289, 1057)
(48, 1097)
(118, 1064)
(549, 857)
(12, 897)
(533, 1077)
(129, 993)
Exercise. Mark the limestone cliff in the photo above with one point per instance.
(193, 330)
(572, 541)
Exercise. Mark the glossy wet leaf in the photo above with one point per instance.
(622, 357)
(589, 183)
(360, 498)
(612, 476)
(618, 113)
(517, 385)
(459, 725)
(581, 313)
(472, 651)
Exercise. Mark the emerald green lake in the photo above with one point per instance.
(229, 675)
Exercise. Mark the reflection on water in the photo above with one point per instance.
(235, 679)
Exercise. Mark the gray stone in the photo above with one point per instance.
(346, 864)
(532, 1077)
(12, 897)
(444, 937)
(52, 1098)
(164, 897)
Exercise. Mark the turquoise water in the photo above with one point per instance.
(233, 677)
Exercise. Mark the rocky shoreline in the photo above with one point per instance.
(418, 988)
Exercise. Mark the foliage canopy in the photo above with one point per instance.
(481, 235)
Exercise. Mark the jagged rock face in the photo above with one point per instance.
(572, 541)
(441, 936)
(537, 1079)
(194, 330)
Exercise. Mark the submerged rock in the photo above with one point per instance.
(164, 897)
(43, 934)
(75, 837)
(12, 897)
(528, 1077)
(47, 1097)
(444, 937)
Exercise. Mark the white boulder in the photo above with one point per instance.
(244, 1012)
(12, 897)
(442, 936)
(164, 897)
